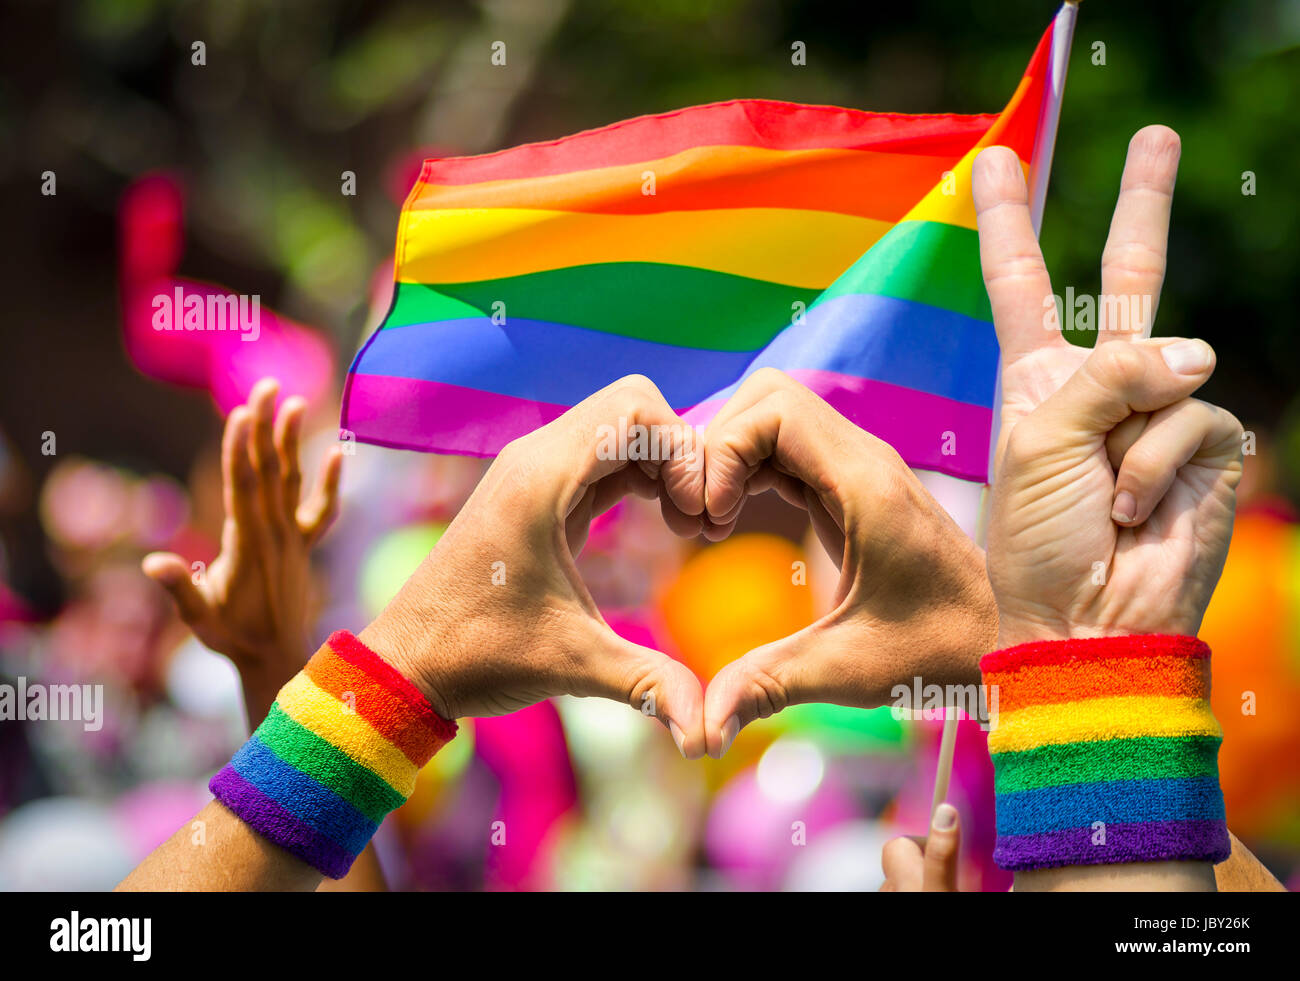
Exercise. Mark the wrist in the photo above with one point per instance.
(1105, 752)
(938, 650)
(1130, 877)
(972, 632)
(969, 637)
(1015, 629)
(339, 750)
(410, 644)
(982, 630)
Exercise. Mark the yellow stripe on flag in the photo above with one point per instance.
(806, 249)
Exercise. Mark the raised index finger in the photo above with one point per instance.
(1020, 291)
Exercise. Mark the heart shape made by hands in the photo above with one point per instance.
(498, 616)
(912, 606)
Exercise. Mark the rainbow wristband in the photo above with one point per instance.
(339, 749)
(1105, 751)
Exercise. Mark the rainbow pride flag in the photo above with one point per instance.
(696, 247)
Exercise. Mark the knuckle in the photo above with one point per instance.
(512, 455)
(638, 386)
(784, 401)
(1133, 258)
(1234, 433)
(728, 443)
(507, 453)
(1121, 366)
(636, 395)
(768, 383)
(1142, 464)
(880, 467)
(246, 479)
(885, 456)
(769, 377)
(765, 692)
(1232, 424)
(1015, 268)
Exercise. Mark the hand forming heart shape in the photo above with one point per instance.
(913, 601)
(504, 619)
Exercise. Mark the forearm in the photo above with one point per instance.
(1242, 872)
(1129, 877)
(217, 852)
(338, 751)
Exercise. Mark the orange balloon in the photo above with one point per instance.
(734, 596)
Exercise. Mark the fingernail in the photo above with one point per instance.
(1124, 508)
(945, 817)
(729, 730)
(678, 737)
(1187, 357)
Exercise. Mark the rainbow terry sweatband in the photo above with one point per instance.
(339, 749)
(1105, 751)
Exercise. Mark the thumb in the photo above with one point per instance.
(756, 686)
(902, 861)
(941, 849)
(1119, 379)
(652, 683)
(171, 572)
(823, 662)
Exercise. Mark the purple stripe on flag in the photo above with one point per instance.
(928, 431)
(1146, 841)
(412, 414)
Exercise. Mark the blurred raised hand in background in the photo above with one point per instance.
(251, 604)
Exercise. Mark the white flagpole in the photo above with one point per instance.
(1045, 142)
(1040, 169)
